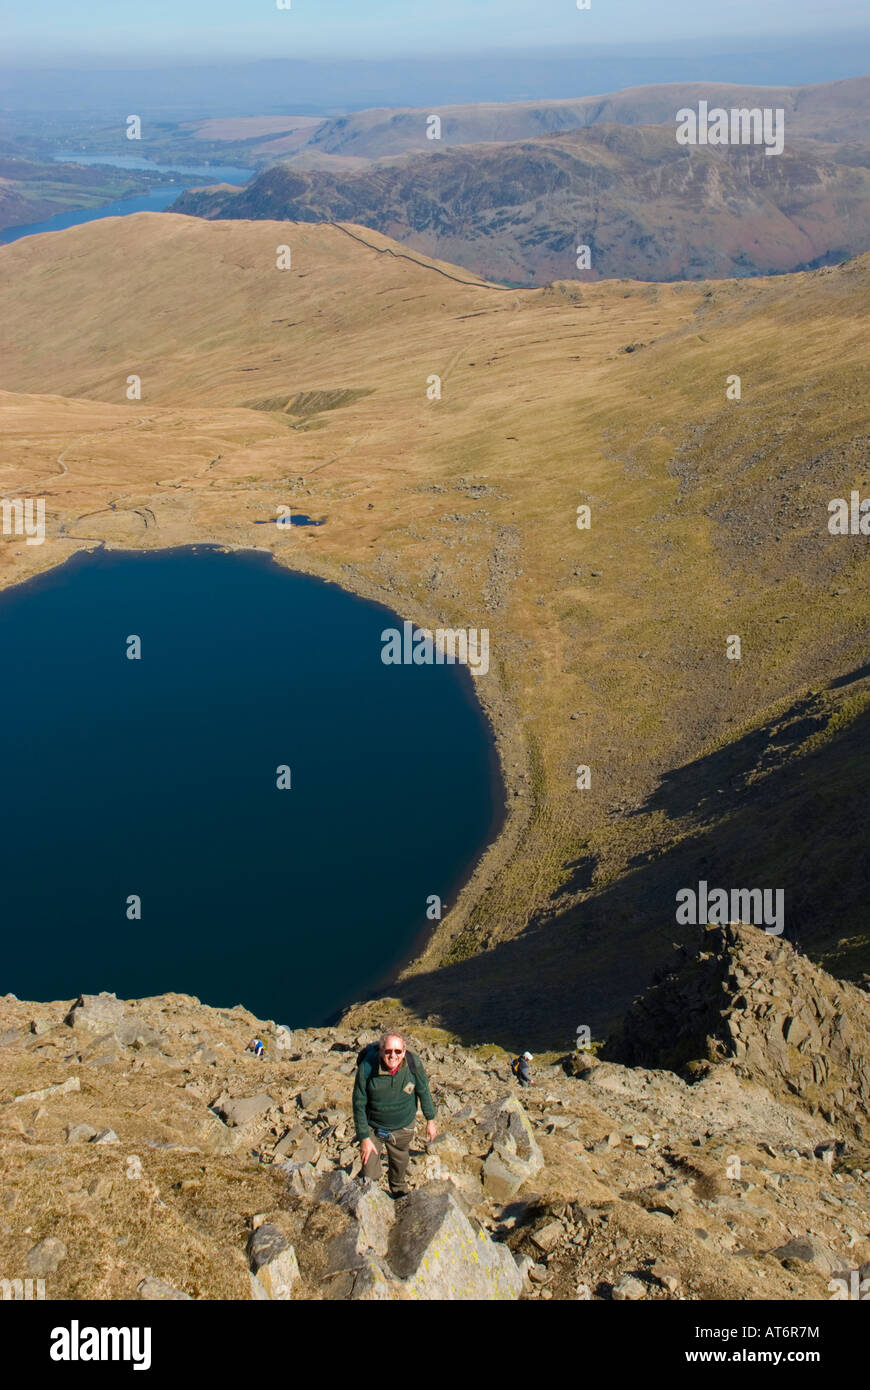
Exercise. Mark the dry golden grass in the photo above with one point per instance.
(709, 517)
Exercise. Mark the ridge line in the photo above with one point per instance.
(403, 255)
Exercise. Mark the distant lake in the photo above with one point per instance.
(156, 200)
(157, 778)
(216, 173)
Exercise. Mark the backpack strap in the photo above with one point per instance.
(366, 1061)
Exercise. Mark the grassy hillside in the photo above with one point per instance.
(708, 519)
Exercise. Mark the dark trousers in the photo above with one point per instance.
(398, 1155)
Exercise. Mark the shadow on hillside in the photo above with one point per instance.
(580, 879)
(799, 828)
(711, 785)
(858, 674)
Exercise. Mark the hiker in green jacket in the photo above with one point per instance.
(389, 1082)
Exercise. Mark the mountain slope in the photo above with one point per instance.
(708, 518)
(145, 1153)
(646, 207)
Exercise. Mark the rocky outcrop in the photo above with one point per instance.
(189, 1169)
(750, 1000)
(273, 1263)
(436, 1251)
(239, 1111)
(515, 1156)
(424, 1246)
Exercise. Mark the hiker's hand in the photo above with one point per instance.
(367, 1148)
(431, 1131)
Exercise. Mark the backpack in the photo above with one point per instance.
(367, 1057)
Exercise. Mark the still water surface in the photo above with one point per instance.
(157, 778)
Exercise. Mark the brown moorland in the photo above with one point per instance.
(308, 386)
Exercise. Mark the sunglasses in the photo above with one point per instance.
(394, 1051)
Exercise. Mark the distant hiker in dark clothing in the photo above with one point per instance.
(389, 1081)
(521, 1070)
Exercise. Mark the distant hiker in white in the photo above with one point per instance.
(521, 1070)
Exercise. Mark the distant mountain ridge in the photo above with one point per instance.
(647, 208)
(824, 111)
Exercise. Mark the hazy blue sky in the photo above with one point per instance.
(67, 32)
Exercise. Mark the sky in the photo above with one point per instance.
(67, 33)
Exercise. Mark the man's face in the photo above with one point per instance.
(393, 1051)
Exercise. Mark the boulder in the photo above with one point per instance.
(100, 1013)
(548, 1237)
(306, 1151)
(132, 1032)
(45, 1256)
(808, 1250)
(274, 1269)
(667, 1275)
(501, 1180)
(216, 1138)
(368, 1205)
(372, 1282)
(288, 1141)
(430, 1168)
(155, 1290)
(240, 1109)
(515, 1156)
(106, 1136)
(61, 1088)
(512, 1128)
(424, 1246)
(80, 1134)
(435, 1252)
(312, 1099)
(301, 1175)
(628, 1289)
